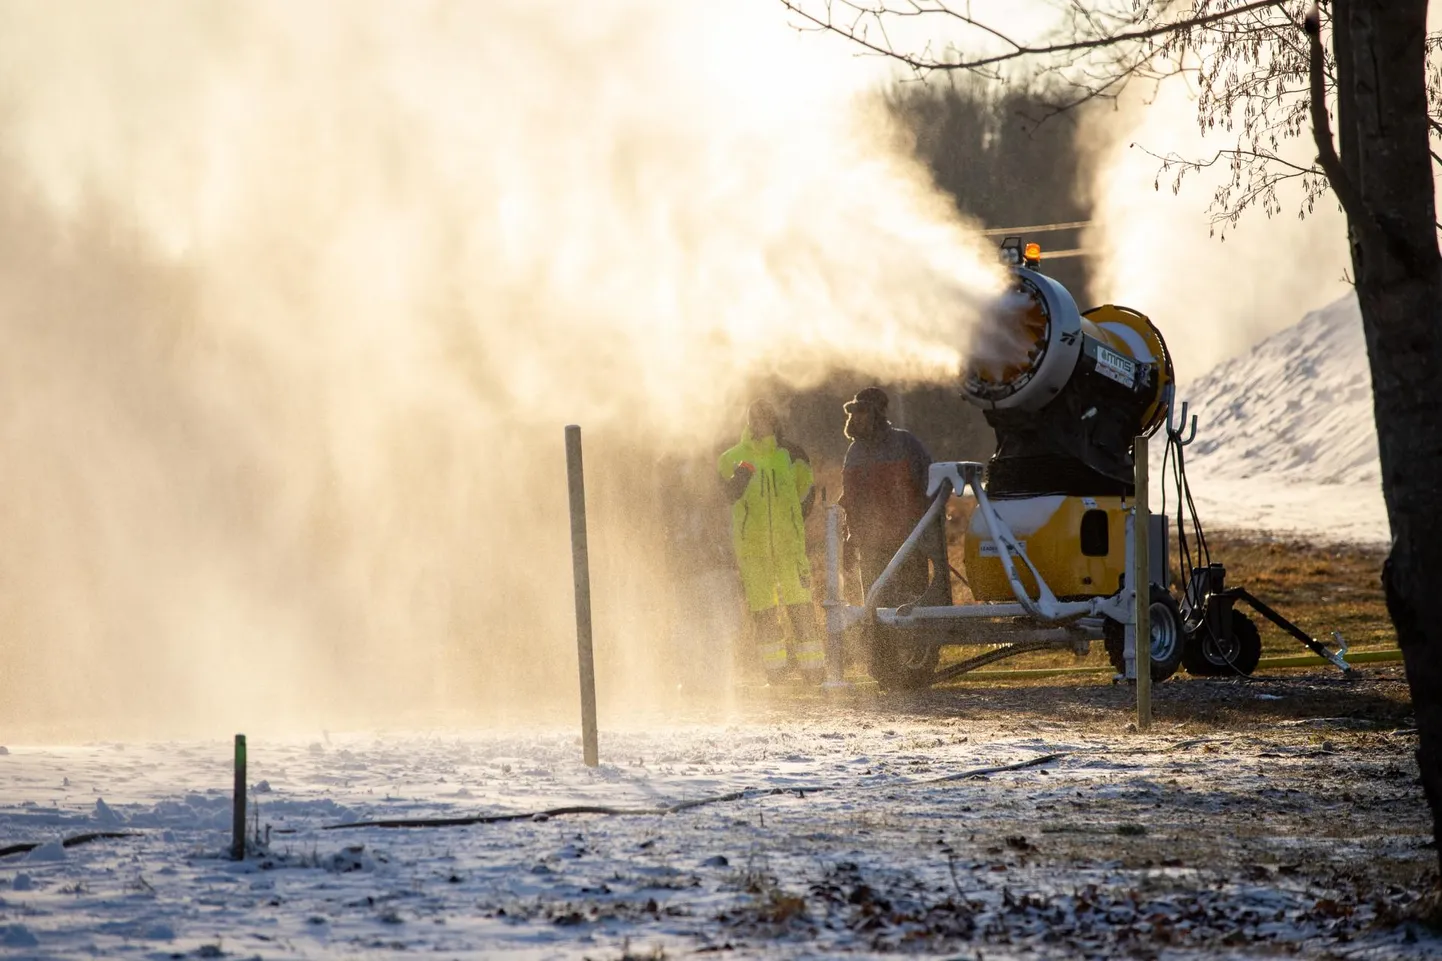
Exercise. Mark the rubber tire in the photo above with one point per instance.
(1243, 660)
(1163, 606)
(897, 662)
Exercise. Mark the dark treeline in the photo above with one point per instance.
(1001, 163)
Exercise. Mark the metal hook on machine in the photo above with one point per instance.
(1174, 431)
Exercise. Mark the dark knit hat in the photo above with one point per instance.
(872, 397)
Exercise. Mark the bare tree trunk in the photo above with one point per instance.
(1388, 196)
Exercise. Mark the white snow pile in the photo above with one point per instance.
(1286, 440)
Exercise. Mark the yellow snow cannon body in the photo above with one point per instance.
(1065, 392)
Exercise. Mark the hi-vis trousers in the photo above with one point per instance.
(771, 641)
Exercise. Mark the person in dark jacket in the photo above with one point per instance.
(884, 495)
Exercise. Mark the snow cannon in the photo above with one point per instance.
(1050, 539)
(1065, 391)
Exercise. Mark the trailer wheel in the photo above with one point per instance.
(900, 660)
(1168, 637)
(1206, 656)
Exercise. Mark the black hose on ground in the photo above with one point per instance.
(69, 842)
(545, 815)
(745, 795)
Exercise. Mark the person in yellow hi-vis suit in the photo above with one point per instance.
(770, 483)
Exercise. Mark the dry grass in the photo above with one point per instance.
(1320, 587)
(1316, 703)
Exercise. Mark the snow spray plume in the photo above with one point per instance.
(298, 297)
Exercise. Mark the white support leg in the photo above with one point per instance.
(832, 601)
(1129, 647)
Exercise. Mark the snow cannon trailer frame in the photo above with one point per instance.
(1203, 631)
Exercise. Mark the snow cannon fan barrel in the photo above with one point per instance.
(1065, 391)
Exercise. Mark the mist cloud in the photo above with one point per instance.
(298, 298)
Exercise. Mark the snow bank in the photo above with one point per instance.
(1286, 440)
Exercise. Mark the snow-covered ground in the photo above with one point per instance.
(1286, 440)
(862, 835)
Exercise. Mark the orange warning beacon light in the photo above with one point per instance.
(1032, 256)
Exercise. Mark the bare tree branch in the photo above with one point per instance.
(1252, 68)
(1229, 154)
(927, 64)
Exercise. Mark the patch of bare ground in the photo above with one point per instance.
(1274, 815)
(1277, 815)
(1322, 587)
